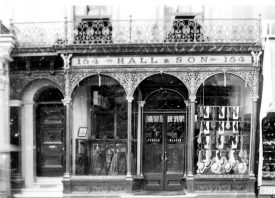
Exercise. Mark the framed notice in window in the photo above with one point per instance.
(82, 132)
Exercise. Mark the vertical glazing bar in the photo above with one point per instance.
(139, 138)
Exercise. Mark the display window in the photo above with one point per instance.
(223, 122)
(105, 150)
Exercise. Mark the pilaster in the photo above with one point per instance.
(7, 42)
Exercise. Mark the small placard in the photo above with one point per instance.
(82, 132)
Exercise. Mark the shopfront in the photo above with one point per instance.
(139, 117)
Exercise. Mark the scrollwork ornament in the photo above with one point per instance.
(193, 80)
(129, 81)
(74, 79)
(19, 81)
(251, 79)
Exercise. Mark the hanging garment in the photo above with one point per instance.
(113, 167)
(121, 169)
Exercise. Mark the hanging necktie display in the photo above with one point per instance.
(221, 127)
(220, 130)
(206, 112)
(213, 123)
(221, 111)
(235, 127)
(205, 126)
(228, 116)
(236, 113)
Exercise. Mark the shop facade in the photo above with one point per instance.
(128, 118)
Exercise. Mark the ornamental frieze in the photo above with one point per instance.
(19, 81)
(73, 79)
(130, 81)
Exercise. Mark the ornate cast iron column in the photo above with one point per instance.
(66, 101)
(129, 138)
(253, 136)
(140, 137)
(190, 143)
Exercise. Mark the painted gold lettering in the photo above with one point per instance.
(132, 60)
(191, 59)
(204, 59)
(178, 59)
(85, 61)
(153, 61)
(142, 61)
(120, 60)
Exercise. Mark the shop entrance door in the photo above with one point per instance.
(50, 152)
(164, 151)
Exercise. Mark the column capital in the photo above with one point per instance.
(129, 98)
(15, 103)
(192, 98)
(254, 97)
(187, 103)
(141, 103)
(66, 100)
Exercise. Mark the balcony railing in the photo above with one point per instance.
(104, 31)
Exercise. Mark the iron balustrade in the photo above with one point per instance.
(105, 31)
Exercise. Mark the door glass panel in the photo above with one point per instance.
(175, 143)
(153, 156)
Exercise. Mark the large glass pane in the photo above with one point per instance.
(107, 139)
(153, 155)
(175, 143)
(108, 158)
(223, 126)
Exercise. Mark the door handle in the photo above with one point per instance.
(164, 156)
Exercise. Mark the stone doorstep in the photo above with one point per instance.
(123, 195)
(44, 188)
(225, 194)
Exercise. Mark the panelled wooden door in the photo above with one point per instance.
(164, 151)
(50, 141)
